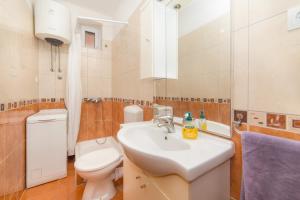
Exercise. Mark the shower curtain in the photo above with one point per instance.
(73, 91)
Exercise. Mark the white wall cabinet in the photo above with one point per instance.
(158, 40)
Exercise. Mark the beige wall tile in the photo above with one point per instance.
(260, 10)
(274, 71)
(96, 71)
(125, 64)
(84, 86)
(49, 84)
(240, 72)
(204, 62)
(16, 16)
(18, 52)
(93, 91)
(239, 14)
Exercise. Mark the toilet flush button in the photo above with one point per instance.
(294, 18)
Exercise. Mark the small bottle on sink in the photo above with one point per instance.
(189, 130)
(202, 122)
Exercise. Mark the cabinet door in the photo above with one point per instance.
(151, 192)
(172, 43)
(146, 37)
(137, 186)
(132, 182)
(158, 41)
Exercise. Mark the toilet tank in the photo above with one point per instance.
(52, 20)
(133, 113)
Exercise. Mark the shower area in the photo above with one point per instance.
(96, 37)
(108, 49)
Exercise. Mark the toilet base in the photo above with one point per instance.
(103, 189)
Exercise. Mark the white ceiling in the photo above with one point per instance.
(107, 7)
(111, 8)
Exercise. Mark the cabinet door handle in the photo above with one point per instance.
(143, 186)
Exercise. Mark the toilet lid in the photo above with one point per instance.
(97, 160)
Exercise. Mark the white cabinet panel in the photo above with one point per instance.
(158, 41)
(146, 40)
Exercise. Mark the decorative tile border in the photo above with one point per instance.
(257, 118)
(51, 100)
(240, 116)
(269, 120)
(134, 101)
(19, 104)
(276, 121)
(296, 123)
(99, 99)
(126, 101)
(193, 99)
(293, 123)
(22, 103)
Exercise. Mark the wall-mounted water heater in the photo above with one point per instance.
(53, 24)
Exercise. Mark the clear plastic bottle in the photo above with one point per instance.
(202, 122)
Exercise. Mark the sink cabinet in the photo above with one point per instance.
(140, 185)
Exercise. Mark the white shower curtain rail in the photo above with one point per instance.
(92, 19)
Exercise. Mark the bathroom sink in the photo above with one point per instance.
(161, 153)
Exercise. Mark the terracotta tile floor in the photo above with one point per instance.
(64, 189)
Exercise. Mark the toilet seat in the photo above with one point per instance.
(97, 160)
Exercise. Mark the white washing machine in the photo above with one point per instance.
(46, 147)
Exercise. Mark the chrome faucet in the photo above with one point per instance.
(166, 121)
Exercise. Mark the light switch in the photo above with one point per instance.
(294, 18)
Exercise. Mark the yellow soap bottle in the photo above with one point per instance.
(189, 130)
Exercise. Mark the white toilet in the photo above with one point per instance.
(96, 161)
(98, 167)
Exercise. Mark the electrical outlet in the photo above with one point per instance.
(294, 18)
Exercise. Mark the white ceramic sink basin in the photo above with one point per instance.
(147, 146)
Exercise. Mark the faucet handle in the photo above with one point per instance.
(168, 118)
(166, 121)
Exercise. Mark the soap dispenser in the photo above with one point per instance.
(189, 130)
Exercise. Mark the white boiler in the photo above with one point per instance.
(52, 21)
(53, 24)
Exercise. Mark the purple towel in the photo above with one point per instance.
(271, 168)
